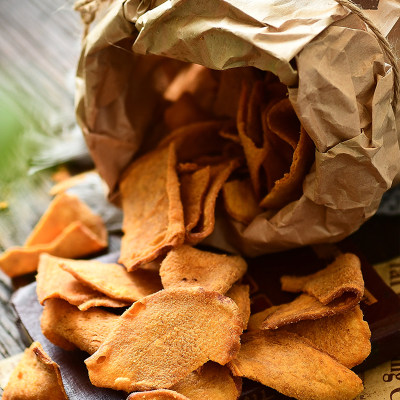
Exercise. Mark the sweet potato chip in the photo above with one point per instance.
(35, 376)
(193, 190)
(197, 139)
(76, 240)
(219, 175)
(113, 280)
(183, 112)
(302, 308)
(345, 336)
(240, 294)
(53, 282)
(293, 366)
(62, 211)
(289, 187)
(188, 267)
(240, 201)
(165, 336)
(153, 215)
(343, 277)
(255, 156)
(69, 328)
(160, 394)
(211, 381)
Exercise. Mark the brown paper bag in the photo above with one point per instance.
(339, 86)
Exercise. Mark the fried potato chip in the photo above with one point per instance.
(153, 215)
(197, 139)
(165, 336)
(345, 336)
(240, 294)
(240, 201)
(113, 280)
(219, 175)
(62, 211)
(183, 112)
(291, 365)
(193, 190)
(343, 277)
(229, 89)
(35, 376)
(289, 187)
(76, 240)
(211, 381)
(302, 308)
(255, 156)
(53, 282)
(160, 394)
(69, 328)
(189, 267)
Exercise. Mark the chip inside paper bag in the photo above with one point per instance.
(308, 60)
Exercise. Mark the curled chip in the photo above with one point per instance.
(183, 112)
(289, 187)
(165, 336)
(53, 282)
(69, 328)
(211, 381)
(240, 294)
(63, 211)
(193, 191)
(218, 176)
(343, 277)
(113, 280)
(188, 267)
(160, 394)
(345, 336)
(35, 376)
(302, 308)
(76, 240)
(255, 156)
(240, 201)
(291, 365)
(153, 215)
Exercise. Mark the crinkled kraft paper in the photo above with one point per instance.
(341, 89)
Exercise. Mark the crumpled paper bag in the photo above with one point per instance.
(339, 85)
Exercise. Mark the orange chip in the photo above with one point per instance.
(197, 139)
(165, 336)
(211, 381)
(240, 201)
(35, 376)
(76, 240)
(289, 187)
(255, 156)
(53, 282)
(293, 366)
(113, 280)
(160, 394)
(153, 215)
(183, 112)
(240, 294)
(187, 267)
(62, 211)
(230, 85)
(343, 277)
(193, 190)
(345, 337)
(303, 308)
(69, 328)
(219, 175)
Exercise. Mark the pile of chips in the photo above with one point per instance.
(168, 323)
